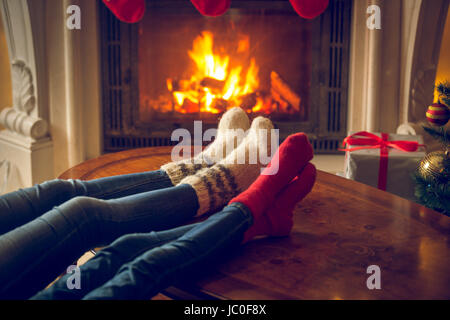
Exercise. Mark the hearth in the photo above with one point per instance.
(177, 66)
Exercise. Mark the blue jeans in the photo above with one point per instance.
(138, 266)
(35, 253)
(22, 206)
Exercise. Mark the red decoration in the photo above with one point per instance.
(130, 11)
(212, 8)
(309, 9)
(438, 114)
(369, 140)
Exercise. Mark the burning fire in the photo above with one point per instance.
(215, 86)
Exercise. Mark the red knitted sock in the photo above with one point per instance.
(290, 158)
(130, 11)
(212, 8)
(309, 9)
(277, 221)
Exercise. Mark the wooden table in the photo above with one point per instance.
(340, 229)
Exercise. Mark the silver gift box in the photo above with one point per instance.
(363, 166)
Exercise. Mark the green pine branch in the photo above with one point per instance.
(446, 101)
(433, 194)
(442, 135)
(444, 88)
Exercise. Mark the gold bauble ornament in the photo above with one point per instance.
(435, 166)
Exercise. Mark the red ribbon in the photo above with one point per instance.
(369, 140)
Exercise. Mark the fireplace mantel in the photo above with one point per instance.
(55, 120)
(25, 143)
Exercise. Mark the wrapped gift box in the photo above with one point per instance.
(363, 164)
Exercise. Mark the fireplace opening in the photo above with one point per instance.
(241, 59)
(177, 66)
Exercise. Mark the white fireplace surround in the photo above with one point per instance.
(55, 120)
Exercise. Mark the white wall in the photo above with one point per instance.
(74, 85)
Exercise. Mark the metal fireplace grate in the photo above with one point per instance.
(326, 145)
(336, 63)
(127, 142)
(327, 124)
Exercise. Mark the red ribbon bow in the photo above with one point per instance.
(369, 140)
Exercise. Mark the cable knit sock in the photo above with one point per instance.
(291, 157)
(130, 11)
(309, 9)
(277, 220)
(230, 134)
(215, 186)
(212, 8)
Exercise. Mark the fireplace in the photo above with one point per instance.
(177, 66)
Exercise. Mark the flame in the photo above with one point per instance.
(229, 84)
(208, 64)
(251, 79)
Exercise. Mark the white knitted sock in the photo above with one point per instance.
(217, 185)
(230, 134)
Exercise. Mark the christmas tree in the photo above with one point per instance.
(433, 174)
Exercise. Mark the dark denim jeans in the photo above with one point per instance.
(22, 206)
(35, 253)
(138, 266)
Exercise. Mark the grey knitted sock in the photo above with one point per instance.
(217, 185)
(230, 133)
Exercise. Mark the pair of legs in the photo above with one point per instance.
(22, 206)
(138, 266)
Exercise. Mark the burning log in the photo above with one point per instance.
(282, 91)
(178, 85)
(214, 84)
(189, 106)
(220, 104)
(282, 105)
(249, 101)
